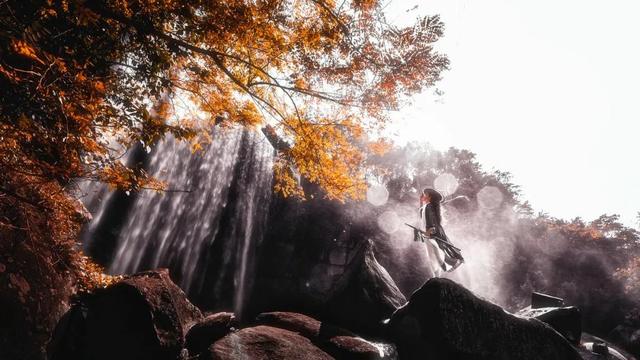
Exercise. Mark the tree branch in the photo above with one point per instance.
(17, 196)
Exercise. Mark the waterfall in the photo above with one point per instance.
(206, 227)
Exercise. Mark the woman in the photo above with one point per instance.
(430, 212)
(445, 254)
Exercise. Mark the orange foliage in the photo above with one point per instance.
(77, 75)
(380, 147)
(326, 155)
(81, 79)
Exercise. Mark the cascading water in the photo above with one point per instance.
(207, 226)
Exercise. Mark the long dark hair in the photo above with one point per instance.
(436, 198)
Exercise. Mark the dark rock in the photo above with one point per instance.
(81, 213)
(67, 340)
(34, 293)
(565, 320)
(371, 297)
(338, 342)
(349, 347)
(599, 351)
(443, 320)
(628, 336)
(302, 324)
(144, 316)
(378, 284)
(316, 258)
(313, 260)
(540, 300)
(206, 332)
(600, 348)
(265, 342)
(595, 348)
(410, 273)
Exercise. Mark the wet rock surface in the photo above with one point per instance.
(265, 342)
(302, 324)
(350, 347)
(338, 342)
(443, 320)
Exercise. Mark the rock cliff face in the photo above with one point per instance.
(317, 259)
(228, 238)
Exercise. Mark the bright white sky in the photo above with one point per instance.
(545, 89)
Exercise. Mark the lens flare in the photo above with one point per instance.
(377, 195)
(389, 222)
(490, 197)
(446, 183)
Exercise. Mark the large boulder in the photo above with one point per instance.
(370, 297)
(264, 342)
(338, 342)
(443, 320)
(144, 316)
(67, 340)
(35, 287)
(206, 332)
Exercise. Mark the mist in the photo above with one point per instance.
(509, 251)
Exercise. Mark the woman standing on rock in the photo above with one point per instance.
(439, 247)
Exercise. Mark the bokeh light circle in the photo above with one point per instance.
(490, 197)
(389, 222)
(377, 195)
(446, 183)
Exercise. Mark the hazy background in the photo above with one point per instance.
(546, 90)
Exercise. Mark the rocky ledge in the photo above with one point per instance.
(146, 316)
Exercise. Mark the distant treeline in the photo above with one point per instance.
(594, 265)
